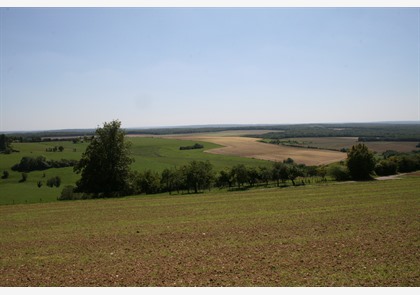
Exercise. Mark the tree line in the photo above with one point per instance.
(105, 170)
(28, 164)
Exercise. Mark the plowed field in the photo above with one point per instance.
(351, 234)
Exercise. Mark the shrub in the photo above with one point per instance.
(54, 181)
(68, 194)
(338, 172)
(191, 147)
(28, 164)
(5, 174)
(24, 177)
(386, 167)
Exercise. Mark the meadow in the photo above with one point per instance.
(149, 153)
(348, 234)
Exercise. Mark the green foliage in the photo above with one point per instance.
(265, 174)
(24, 177)
(280, 171)
(338, 172)
(192, 147)
(224, 178)
(5, 144)
(365, 132)
(148, 182)
(407, 162)
(5, 174)
(68, 193)
(360, 162)
(386, 167)
(54, 181)
(105, 165)
(199, 175)
(28, 164)
(239, 174)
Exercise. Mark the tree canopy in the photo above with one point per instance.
(105, 165)
(360, 162)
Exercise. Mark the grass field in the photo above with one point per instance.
(352, 234)
(149, 153)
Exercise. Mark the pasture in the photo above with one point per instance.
(149, 153)
(349, 234)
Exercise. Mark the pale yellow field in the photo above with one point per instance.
(251, 148)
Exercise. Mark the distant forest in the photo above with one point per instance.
(364, 131)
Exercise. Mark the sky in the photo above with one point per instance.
(65, 68)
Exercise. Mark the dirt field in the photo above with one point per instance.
(251, 148)
(352, 234)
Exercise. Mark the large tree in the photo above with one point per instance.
(105, 165)
(360, 162)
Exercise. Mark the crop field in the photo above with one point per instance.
(347, 142)
(251, 148)
(350, 234)
(149, 153)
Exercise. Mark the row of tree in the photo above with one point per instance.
(28, 164)
(105, 170)
(198, 176)
(55, 149)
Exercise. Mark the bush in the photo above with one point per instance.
(338, 172)
(385, 168)
(24, 177)
(28, 164)
(68, 194)
(191, 147)
(5, 174)
(54, 181)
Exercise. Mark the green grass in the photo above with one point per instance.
(149, 153)
(158, 154)
(348, 234)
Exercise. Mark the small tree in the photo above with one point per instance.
(224, 179)
(360, 162)
(61, 148)
(39, 184)
(199, 175)
(240, 174)
(264, 174)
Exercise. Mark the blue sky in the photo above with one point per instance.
(79, 67)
